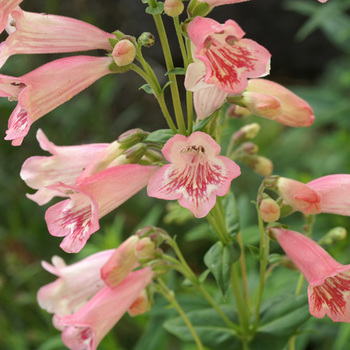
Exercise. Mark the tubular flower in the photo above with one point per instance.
(195, 175)
(93, 197)
(229, 59)
(65, 165)
(87, 327)
(33, 33)
(6, 7)
(335, 193)
(214, 3)
(46, 88)
(329, 281)
(284, 106)
(85, 307)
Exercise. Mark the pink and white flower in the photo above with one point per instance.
(223, 62)
(85, 307)
(90, 199)
(33, 33)
(6, 7)
(214, 3)
(329, 281)
(195, 175)
(66, 164)
(47, 87)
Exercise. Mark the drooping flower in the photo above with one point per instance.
(33, 33)
(229, 59)
(87, 327)
(335, 193)
(282, 104)
(329, 281)
(47, 87)
(6, 7)
(90, 199)
(195, 175)
(65, 165)
(84, 305)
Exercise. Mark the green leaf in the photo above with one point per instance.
(231, 213)
(203, 123)
(254, 251)
(147, 88)
(155, 10)
(160, 136)
(219, 260)
(211, 329)
(145, 1)
(177, 71)
(201, 9)
(167, 84)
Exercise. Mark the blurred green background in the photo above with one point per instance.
(310, 46)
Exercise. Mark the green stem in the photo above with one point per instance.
(159, 95)
(172, 77)
(181, 41)
(243, 271)
(216, 217)
(299, 285)
(169, 295)
(291, 343)
(241, 309)
(264, 252)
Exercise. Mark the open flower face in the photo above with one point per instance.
(196, 174)
(329, 281)
(229, 59)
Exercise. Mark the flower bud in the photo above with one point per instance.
(238, 112)
(299, 196)
(144, 248)
(131, 138)
(269, 210)
(249, 147)
(135, 153)
(124, 52)
(261, 165)
(173, 8)
(146, 39)
(334, 235)
(247, 132)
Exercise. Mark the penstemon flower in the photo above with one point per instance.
(329, 281)
(77, 218)
(46, 88)
(213, 3)
(62, 34)
(195, 175)
(84, 305)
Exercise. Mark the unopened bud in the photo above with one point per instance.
(136, 152)
(238, 112)
(261, 165)
(146, 39)
(334, 235)
(173, 8)
(249, 147)
(247, 132)
(124, 52)
(144, 248)
(153, 156)
(269, 210)
(140, 305)
(261, 104)
(131, 138)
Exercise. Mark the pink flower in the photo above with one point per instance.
(86, 328)
(213, 3)
(65, 165)
(62, 34)
(195, 175)
(299, 196)
(92, 198)
(329, 281)
(229, 59)
(284, 106)
(6, 7)
(335, 193)
(46, 88)
(85, 307)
